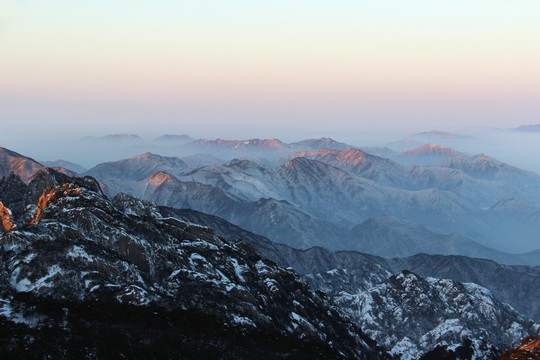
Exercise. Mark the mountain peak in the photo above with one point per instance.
(120, 136)
(174, 137)
(13, 162)
(159, 178)
(147, 155)
(321, 143)
(437, 134)
(528, 128)
(425, 154)
(431, 149)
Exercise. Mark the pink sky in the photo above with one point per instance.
(308, 64)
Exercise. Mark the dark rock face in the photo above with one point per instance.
(12, 193)
(82, 248)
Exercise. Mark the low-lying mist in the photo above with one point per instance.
(514, 147)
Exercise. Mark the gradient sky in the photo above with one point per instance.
(290, 69)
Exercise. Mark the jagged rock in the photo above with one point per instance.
(528, 350)
(7, 223)
(411, 315)
(12, 190)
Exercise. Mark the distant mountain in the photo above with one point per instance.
(516, 219)
(200, 160)
(278, 220)
(76, 168)
(403, 144)
(268, 149)
(115, 137)
(20, 165)
(388, 237)
(176, 139)
(425, 154)
(337, 188)
(484, 167)
(137, 167)
(355, 161)
(411, 177)
(319, 144)
(436, 134)
(528, 128)
(229, 149)
(384, 152)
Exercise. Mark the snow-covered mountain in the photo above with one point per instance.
(279, 220)
(228, 149)
(358, 162)
(403, 145)
(311, 189)
(425, 154)
(115, 138)
(320, 144)
(82, 249)
(410, 314)
(200, 160)
(386, 172)
(95, 251)
(341, 187)
(529, 128)
(137, 167)
(487, 168)
(437, 134)
(268, 149)
(319, 196)
(354, 272)
(172, 139)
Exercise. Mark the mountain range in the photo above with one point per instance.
(330, 192)
(73, 250)
(82, 248)
(322, 197)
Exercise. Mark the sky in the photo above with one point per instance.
(241, 69)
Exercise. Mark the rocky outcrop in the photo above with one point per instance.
(6, 219)
(528, 350)
(411, 316)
